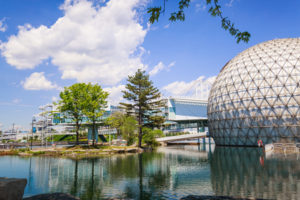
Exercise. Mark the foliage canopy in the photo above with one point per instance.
(128, 129)
(116, 120)
(94, 105)
(82, 100)
(72, 104)
(125, 125)
(149, 136)
(214, 10)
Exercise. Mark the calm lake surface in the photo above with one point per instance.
(170, 173)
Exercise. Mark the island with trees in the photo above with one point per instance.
(138, 121)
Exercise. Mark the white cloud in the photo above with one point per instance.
(14, 104)
(3, 26)
(197, 88)
(115, 94)
(89, 43)
(166, 26)
(159, 67)
(200, 6)
(229, 4)
(54, 99)
(16, 101)
(171, 65)
(37, 81)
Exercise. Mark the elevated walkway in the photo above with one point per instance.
(182, 137)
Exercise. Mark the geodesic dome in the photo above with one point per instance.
(257, 96)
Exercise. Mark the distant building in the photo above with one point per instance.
(185, 115)
(181, 115)
(14, 134)
(50, 120)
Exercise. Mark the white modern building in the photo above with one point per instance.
(186, 115)
(15, 133)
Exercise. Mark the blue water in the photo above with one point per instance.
(169, 173)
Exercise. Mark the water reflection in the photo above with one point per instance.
(169, 173)
(245, 172)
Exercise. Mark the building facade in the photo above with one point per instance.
(181, 115)
(185, 115)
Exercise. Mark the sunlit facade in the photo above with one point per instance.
(257, 96)
(185, 115)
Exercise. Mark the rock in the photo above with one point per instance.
(53, 196)
(12, 188)
(132, 150)
(118, 150)
(140, 150)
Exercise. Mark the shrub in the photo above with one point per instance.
(149, 136)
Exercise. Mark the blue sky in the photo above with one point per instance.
(46, 45)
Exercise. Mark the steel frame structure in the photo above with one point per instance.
(257, 96)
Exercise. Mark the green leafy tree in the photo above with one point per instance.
(36, 137)
(94, 105)
(128, 129)
(116, 120)
(149, 136)
(214, 10)
(144, 100)
(72, 103)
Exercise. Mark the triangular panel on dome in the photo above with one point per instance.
(294, 131)
(293, 110)
(293, 60)
(292, 88)
(285, 99)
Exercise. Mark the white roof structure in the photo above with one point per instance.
(186, 109)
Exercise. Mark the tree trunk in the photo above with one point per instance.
(93, 133)
(140, 136)
(118, 133)
(140, 128)
(77, 133)
(140, 119)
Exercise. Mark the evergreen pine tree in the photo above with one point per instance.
(145, 102)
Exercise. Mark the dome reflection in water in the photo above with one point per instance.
(246, 172)
(170, 173)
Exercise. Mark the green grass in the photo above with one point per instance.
(68, 138)
(36, 153)
(24, 150)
